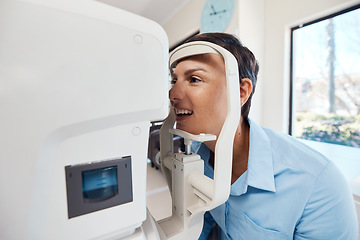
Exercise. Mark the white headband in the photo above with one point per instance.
(191, 49)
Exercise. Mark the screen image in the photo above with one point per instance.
(100, 184)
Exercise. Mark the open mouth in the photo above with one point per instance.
(183, 112)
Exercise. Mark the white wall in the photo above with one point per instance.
(184, 23)
(251, 32)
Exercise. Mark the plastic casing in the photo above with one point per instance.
(80, 82)
(216, 190)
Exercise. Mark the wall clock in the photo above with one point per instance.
(216, 15)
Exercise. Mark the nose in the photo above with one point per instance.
(177, 92)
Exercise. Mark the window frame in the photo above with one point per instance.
(291, 84)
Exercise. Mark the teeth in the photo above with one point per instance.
(183, 111)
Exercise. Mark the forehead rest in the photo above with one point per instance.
(190, 49)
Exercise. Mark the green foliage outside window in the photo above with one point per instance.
(330, 128)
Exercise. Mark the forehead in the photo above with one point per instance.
(208, 61)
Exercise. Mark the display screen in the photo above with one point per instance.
(99, 184)
(94, 186)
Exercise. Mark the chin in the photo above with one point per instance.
(186, 129)
(192, 130)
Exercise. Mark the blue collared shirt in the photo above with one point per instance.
(289, 191)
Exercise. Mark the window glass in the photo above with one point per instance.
(325, 79)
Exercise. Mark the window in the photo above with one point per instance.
(325, 79)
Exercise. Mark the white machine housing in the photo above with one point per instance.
(80, 83)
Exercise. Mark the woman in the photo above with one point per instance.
(280, 189)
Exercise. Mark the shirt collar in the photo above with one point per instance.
(260, 172)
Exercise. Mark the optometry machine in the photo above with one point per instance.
(80, 83)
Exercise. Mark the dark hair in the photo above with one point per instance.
(248, 65)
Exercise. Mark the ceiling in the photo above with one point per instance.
(159, 11)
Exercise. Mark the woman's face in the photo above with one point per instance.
(199, 95)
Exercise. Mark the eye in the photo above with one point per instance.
(173, 81)
(194, 79)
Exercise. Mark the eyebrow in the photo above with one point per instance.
(189, 71)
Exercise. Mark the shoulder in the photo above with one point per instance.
(289, 152)
(327, 204)
(329, 212)
(303, 167)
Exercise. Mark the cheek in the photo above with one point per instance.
(220, 103)
(212, 110)
(218, 99)
(220, 108)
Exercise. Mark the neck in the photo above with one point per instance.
(240, 150)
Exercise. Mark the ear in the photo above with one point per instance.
(245, 90)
